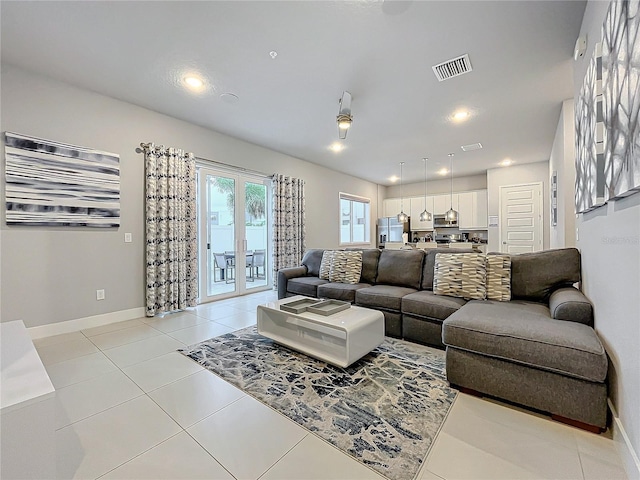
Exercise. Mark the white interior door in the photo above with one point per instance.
(521, 218)
(233, 234)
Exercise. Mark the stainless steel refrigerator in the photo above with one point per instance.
(391, 230)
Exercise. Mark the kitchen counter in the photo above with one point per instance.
(480, 247)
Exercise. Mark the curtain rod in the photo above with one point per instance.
(225, 165)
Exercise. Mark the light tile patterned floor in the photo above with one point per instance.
(129, 406)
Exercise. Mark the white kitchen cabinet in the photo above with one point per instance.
(482, 209)
(473, 210)
(391, 207)
(417, 207)
(442, 203)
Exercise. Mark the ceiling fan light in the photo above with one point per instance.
(344, 121)
(425, 216)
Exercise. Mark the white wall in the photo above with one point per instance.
(516, 175)
(562, 161)
(609, 239)
(435, 187)
(50, 275)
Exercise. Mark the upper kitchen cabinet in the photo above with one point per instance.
(391, 206)
(417, 207)
(442, 203)
(473, 210)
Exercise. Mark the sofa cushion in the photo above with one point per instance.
(340, 291)
(307, 286)
(535, 275)
(400, 267)
(460, 275)
(524, 332)
(382, 296)
(499, 277)
(312, 260)
(430, 261)
(428, 304)
(370, 257)
(346, 267)
(325, 264)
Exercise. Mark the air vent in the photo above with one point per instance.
(452, 68)
(471, 147)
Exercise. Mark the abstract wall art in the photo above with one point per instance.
(54, 184)
(621, 93)
(589, 189)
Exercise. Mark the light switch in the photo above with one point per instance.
(127, 237)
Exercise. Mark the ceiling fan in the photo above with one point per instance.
(344, 118)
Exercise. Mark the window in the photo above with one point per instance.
(354, 219)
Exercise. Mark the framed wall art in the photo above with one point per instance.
(54, 184)
(621, 95)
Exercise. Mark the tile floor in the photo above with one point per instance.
(130, 406)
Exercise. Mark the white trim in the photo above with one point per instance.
(630, 460)
(86, 322)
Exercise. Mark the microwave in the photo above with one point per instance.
(440, 221)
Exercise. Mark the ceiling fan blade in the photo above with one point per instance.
(345, 103)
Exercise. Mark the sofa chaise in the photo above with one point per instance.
(537, 349)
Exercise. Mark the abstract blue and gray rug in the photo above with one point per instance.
(384, 410)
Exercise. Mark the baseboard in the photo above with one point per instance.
(628, 455)
(86, 322)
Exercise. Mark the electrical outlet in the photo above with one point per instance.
(127, 237)
(99, 294)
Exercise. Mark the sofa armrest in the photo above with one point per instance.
(284, 274)
(571, 305)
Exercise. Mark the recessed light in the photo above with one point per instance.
(506, 162)
(194, 83)
(461, 115)
(394, 178)
(273, 54)
(443, 171)
(336, 147)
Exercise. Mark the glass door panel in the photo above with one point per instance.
(220, 235)
(256, 234)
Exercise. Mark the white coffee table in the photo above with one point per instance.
(339, 339)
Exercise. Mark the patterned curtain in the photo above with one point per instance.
(288, 223)
(171, 241)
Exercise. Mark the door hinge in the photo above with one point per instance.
(208, 246)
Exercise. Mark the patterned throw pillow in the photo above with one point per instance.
(346, 267)
(460, 275)
(499, 277)
(325, 264)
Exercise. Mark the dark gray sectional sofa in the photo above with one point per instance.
(538, 350)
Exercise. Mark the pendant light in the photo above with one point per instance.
(425, 216)
(451, 215)
(402, 217)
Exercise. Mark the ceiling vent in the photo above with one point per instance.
(471, 147)
(452, 68)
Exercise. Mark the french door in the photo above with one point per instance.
(234, 235)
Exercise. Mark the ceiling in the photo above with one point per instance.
(380, 51)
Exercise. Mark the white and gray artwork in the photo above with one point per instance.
(589, 188)
(55, 184)
(621, 87)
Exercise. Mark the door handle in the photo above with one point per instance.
(504, 243)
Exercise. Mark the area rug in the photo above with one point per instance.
(384, 410)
